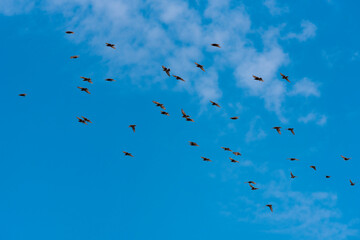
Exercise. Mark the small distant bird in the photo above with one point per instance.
(86, 119)
(69, 32)
(293, 159)
(159, 105)
(22, 94)
(352, 183)
(193, 144)
(214, 104)
(206, 159)
(110, 45)
(291, 130)
(178, 78)
(292, 175)
(234, 118)
(215, 45)
(226, 149)
(86, 79)
(189, 120)
(237, 153)
(345, 158)
(253, 188)
(250, 182)
(74, 57)
(167, 70)
(233, 160)
(109, 80)
(200, 66)
(328, 176)
(128, 154)
(313, 167)
(277, 129)
(184, 115)
(165, 113)
(84, 89)
(133, 127)
(257, 78)
(81, 120)
(285, 77)
(270, 206)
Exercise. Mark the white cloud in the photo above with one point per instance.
(274, 8)
(255, 132)
(308, 31)
(319, 119)
(305, 87)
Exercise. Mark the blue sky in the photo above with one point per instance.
(61, 179)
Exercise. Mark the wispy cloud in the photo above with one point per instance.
(319, 119)
(274, 7)
(308, 31)
(305, 87)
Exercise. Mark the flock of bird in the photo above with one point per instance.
(187, 117)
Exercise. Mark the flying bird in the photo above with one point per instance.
(167, 70)
(206, 159)
(74, 57)
(86, 79)
(200, 66)
(81, 120)
(214, 104)
(165, 113)
(291, 130)
(237, 153)
(184, 115)
(22, 94)
(328, 176)
(128, 154)
(257, 78)
(313, 167)
(293, 159)
(215, 45)
(285, 77)
(178, 78)
(109, 80)
(233, 160)
(352, 183)
(84, 89)
(234, 118)
(277, 129)
(110, 45)
(159, 105)
(69, 32)
(193, 144)
(86, 119)
(250, 182)
(252, 187)
(226, 149)
(292, 175)
(270, 206)
(133, 127)
(189, 120)
(345, 158)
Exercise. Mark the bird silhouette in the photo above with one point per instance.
(253, 188)
(328, 176)
(178, 78)
(233, 160)
(22, 94)
(313, 167)
(167, 70)
(257, 78)
(133, 127)
(250, 182)
(345, 158)
(193, 144)
(206, 159)
(159, 104)
(165, 113)
(84, 89)
(214, 104)
(74, 57)
(234, 118)
(226, 149)
(237, 153)
(270, 206)
(352, 183)
(110, 45)
(291, 130)
(277, 129)
(86, 119)
(109, 80)
(200, 66)
(128, 154)
(292, 175)
(81, 120)
(189, 120)
(184, 115)
(215, 45)
(87, 79)
(285, 77)
(69, 32)
(293, 159)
